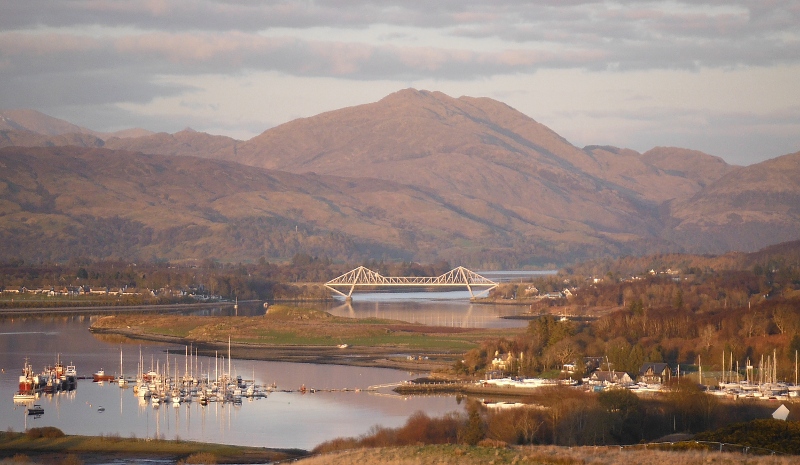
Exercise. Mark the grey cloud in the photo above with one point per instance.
(633, 35)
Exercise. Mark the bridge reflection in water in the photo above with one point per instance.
(365, 278)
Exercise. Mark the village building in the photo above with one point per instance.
(610, 378)
(654, 373)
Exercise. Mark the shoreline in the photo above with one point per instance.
(363, 356)
(109, 309)
(105, 449)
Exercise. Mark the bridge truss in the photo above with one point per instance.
(364, 277)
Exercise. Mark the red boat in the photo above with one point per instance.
(27, 381)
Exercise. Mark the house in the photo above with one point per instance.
(654, 373)
(503, 362)
(608, 378)
(531, 290)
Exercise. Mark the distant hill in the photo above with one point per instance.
(417, 175)
(26, 120)
(745, 210)
(186, 142)
(63, 202)
(24, 138)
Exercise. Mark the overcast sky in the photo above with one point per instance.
(718, 76)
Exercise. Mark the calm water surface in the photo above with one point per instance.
(283, 419)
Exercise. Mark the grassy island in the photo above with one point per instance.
(308, 335)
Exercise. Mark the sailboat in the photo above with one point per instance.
(121, 381)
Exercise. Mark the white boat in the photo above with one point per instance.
(24, 397)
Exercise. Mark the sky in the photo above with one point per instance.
(722, 77)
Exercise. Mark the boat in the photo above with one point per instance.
(101, 409)
(36, 409)
(71, 377)
(27, 380)
(100, 375)
(24, 397)
(121, 381)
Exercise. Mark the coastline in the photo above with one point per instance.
(374, 357)
(110, 309)
(109, 449)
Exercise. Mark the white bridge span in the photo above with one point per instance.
(364, 277)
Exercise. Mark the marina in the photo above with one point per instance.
(294, 405)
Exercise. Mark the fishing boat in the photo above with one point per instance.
(100, 375)
(27, 380)
(71, 375)
(36, 409)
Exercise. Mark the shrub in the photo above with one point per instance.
(199, 458)
(49, 432)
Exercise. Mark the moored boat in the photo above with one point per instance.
(24, 397)
(35, 409)
(100, 375)
(27, 380)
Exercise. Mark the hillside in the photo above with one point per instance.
(468, 180)
(32, 121)
(744, 210)
(186, 142)
(63, 202)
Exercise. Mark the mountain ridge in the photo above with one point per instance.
(475, 181)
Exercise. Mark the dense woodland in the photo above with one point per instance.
(697, 313)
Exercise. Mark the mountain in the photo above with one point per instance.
(62, 202)
(524, 182)
(24, 138)
(186, 142)
(745, 210)
(417, 175)
(32, 121)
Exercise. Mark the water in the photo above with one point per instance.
(282, 420)
(429, 308)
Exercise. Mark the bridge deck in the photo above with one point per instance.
(364, 277)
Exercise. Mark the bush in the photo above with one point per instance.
(199, 458)
(49, 432)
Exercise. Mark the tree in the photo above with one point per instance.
(785, 320)
(474, 431)
(625, 411)
(794, 347)
(707, 336)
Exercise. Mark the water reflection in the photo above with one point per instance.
(451, 309)
(283, 419)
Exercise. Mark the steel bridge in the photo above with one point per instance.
(364, 277)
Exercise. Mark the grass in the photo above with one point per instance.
(286, 326)
(545, 455)
(13, 443)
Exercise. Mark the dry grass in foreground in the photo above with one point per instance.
(465, 455)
